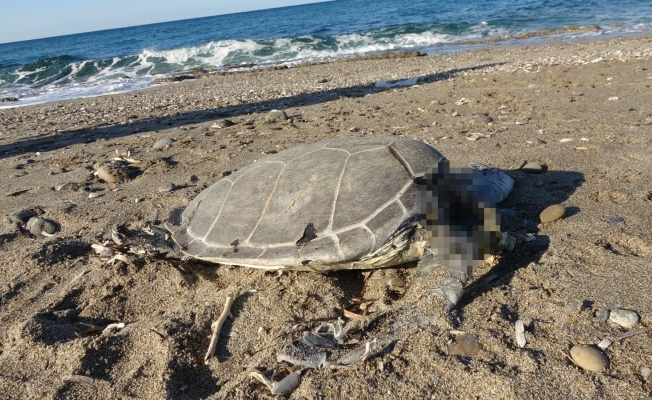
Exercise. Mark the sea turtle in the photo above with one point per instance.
(350, 203)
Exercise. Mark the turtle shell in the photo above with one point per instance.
(327, 203)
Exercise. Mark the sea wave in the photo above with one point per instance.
(67, 76)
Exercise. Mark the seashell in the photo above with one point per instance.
(167, 142)
(589, 358)
(93, 195)
(68, 186)
(287, 384)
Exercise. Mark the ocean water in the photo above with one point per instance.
(119, 60)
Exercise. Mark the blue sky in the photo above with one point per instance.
(33, 19)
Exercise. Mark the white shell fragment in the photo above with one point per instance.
(604, 343)
(624, 318)
(566, 140)
(520, 333)
(477, 135)
(112, 327)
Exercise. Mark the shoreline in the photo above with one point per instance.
(544, 37)
(582, 109)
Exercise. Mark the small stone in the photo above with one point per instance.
(112, 174)
(167, 142)
(552, 213)
(455, 114)
(533, 168)
(616, 220)
(624, 318)
(614, 98)
(93, 195)
(604, 315)
(647, 121)
(169, 188)
(223, 123)
(22, 217)
(464, 345)
(589, 358)
(8, 99)
(647, 374)
(42, 226)
(276, 116)
(488, 119)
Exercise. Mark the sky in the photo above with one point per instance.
(34, 19)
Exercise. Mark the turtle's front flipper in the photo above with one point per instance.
(500, 184)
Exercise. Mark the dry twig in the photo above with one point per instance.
(217, 326)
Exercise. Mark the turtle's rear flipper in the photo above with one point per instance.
(433, 292)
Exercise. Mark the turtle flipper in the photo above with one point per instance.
(500, 184)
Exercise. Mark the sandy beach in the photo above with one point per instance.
(582, 109)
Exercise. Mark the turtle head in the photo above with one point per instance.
(459, 214)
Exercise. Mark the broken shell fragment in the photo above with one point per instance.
(356, 356)
(298, 353)
(287, 384)
(42, 226)
(520, 333)
(589, 358)
(324, 341)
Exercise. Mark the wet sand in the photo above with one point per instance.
(57, 295)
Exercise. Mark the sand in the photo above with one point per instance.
(57, 296)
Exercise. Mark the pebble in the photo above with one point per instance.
(624, 318)
(223, 123)
(42, 226)
(464, 345)
(589, 358)
(287, 384)
(93, 195)
(616, 220)
(22, 217)
(167, 142)
(552, 213)
(604, 315)
(614, 98)
(647, 374)
(171, 187)
(111, 174)
(276, 116)
(533, 168)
